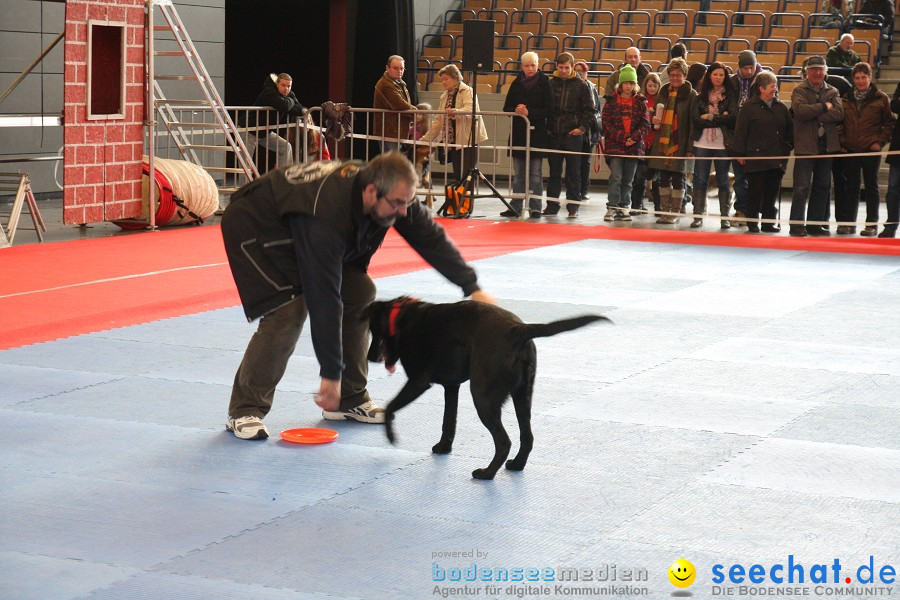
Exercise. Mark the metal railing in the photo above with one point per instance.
(271, 142)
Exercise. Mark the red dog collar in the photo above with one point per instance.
(395, 312)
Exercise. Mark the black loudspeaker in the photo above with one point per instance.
(478, 45)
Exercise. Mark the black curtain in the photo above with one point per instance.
(273, 36)
(384, 28)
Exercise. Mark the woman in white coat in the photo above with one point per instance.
(454, 126)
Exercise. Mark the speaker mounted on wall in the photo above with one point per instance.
(478, 45)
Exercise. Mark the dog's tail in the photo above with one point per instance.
(528, 331)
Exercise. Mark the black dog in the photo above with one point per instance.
(449, 344)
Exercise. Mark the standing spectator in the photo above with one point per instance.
(673, 139)
(625, 124)
(454, 127)
(391, 94)
(817, 112)
(841, 58)
(893, 193)
(644, 173)
(277, 94)
(529, 95)
(633, 58)
(713, 115)
(763, 128)
(590, 140)
(573, 110)
(695, 75)
(838, 176)
(867, 127)
(748, 69)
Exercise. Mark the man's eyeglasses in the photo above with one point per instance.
(397, 204)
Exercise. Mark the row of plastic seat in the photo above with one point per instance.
(643, 22)
(704, 47)
(804, 6)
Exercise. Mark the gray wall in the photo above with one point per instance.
(22, 39)
(429, 15)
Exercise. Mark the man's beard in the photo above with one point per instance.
(384, 221)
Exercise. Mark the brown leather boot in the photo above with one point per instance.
(665, 204)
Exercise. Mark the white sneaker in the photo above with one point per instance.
(247, 428)
(364, 413)
(610, 214)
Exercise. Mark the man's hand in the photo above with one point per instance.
(828, 106)
(329, 396)
(482, 296)
(576, 131)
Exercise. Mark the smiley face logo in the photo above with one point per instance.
(682, 573)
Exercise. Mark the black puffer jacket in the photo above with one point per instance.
(293, 231)
(288, 107)
(573, 106)
(763, 130)
(539, 100)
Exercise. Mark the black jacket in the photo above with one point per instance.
(573, 106)
(288, 107)
(894, 159)
(762, 130)
(725, 120)
(293, 232)
(539, 101)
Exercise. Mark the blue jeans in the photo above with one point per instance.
(567, 143)
(812, 183)
(621, 180)
(702, 168)
(536, 181)
(892, 199)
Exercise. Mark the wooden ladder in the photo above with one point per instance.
(21, 185)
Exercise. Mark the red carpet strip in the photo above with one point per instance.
(56, 290)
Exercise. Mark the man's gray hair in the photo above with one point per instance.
(386, 171)
(530, 57)
(394, 57)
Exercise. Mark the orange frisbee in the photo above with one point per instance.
(309, 435)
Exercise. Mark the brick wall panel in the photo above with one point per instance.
(103, 171)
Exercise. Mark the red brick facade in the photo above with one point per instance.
(102, 163)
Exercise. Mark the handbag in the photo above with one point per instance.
(458, 203)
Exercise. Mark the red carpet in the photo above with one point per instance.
(50, 291)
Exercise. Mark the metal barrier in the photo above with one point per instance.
(272, 143)
(493, 157)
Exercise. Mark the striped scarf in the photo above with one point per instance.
(668, 130)
(451, 122)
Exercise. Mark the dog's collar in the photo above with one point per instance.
(396, 307)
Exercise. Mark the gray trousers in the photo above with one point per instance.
(271, 346)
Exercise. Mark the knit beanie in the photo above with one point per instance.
(747, 58)
(627, 73)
